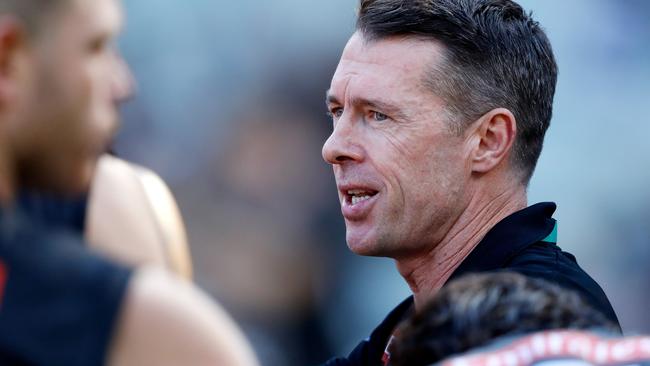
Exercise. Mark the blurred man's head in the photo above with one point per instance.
(475, 309)
(60, 82)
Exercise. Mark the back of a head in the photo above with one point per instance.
(497, 56)
(475, 309)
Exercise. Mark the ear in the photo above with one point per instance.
(495, 134)
(12, 38)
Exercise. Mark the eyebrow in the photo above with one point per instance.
(372, 103)
(330, 98)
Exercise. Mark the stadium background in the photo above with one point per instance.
(230, 112)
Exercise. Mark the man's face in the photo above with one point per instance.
(401, 173)
(66, 113)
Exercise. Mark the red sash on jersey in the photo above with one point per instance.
(3, 280)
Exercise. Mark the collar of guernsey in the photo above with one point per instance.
(520, 229)
(509, 237)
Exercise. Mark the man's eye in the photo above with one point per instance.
(378, 116)
(335, 112)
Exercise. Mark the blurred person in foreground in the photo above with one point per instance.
(61, 304)
(477, 309)
(439, 112)
(131, 216)
(128, 215)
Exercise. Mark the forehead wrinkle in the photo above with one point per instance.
(333, 94)
(363, 98)
(377, 71)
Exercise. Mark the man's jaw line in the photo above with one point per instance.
(427, 271)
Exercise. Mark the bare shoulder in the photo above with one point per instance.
(133, 217)
(168, 321)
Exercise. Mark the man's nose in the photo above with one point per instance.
(122, 83)
(343, 145)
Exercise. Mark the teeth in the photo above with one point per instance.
(359, 195)
(354, 192)
(357, 199)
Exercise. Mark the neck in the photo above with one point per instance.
(428, 271)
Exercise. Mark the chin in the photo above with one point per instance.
(75, 189)
(86, 177)
(364, 246)
(80, 181)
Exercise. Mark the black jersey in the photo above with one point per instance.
(524, 242)
(59, 302)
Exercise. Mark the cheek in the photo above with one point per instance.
(413, 159)
(98, 83)
(102, 109)
(72, 118)
(86, 116)
(66, 125)
(436, 175)
(398, 159)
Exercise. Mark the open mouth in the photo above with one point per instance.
(356, 196)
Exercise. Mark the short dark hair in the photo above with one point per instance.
(496, 56)
(472, 310)
(31, 12)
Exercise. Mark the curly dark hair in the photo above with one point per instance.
(474, 309)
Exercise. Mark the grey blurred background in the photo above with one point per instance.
(230, 113)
